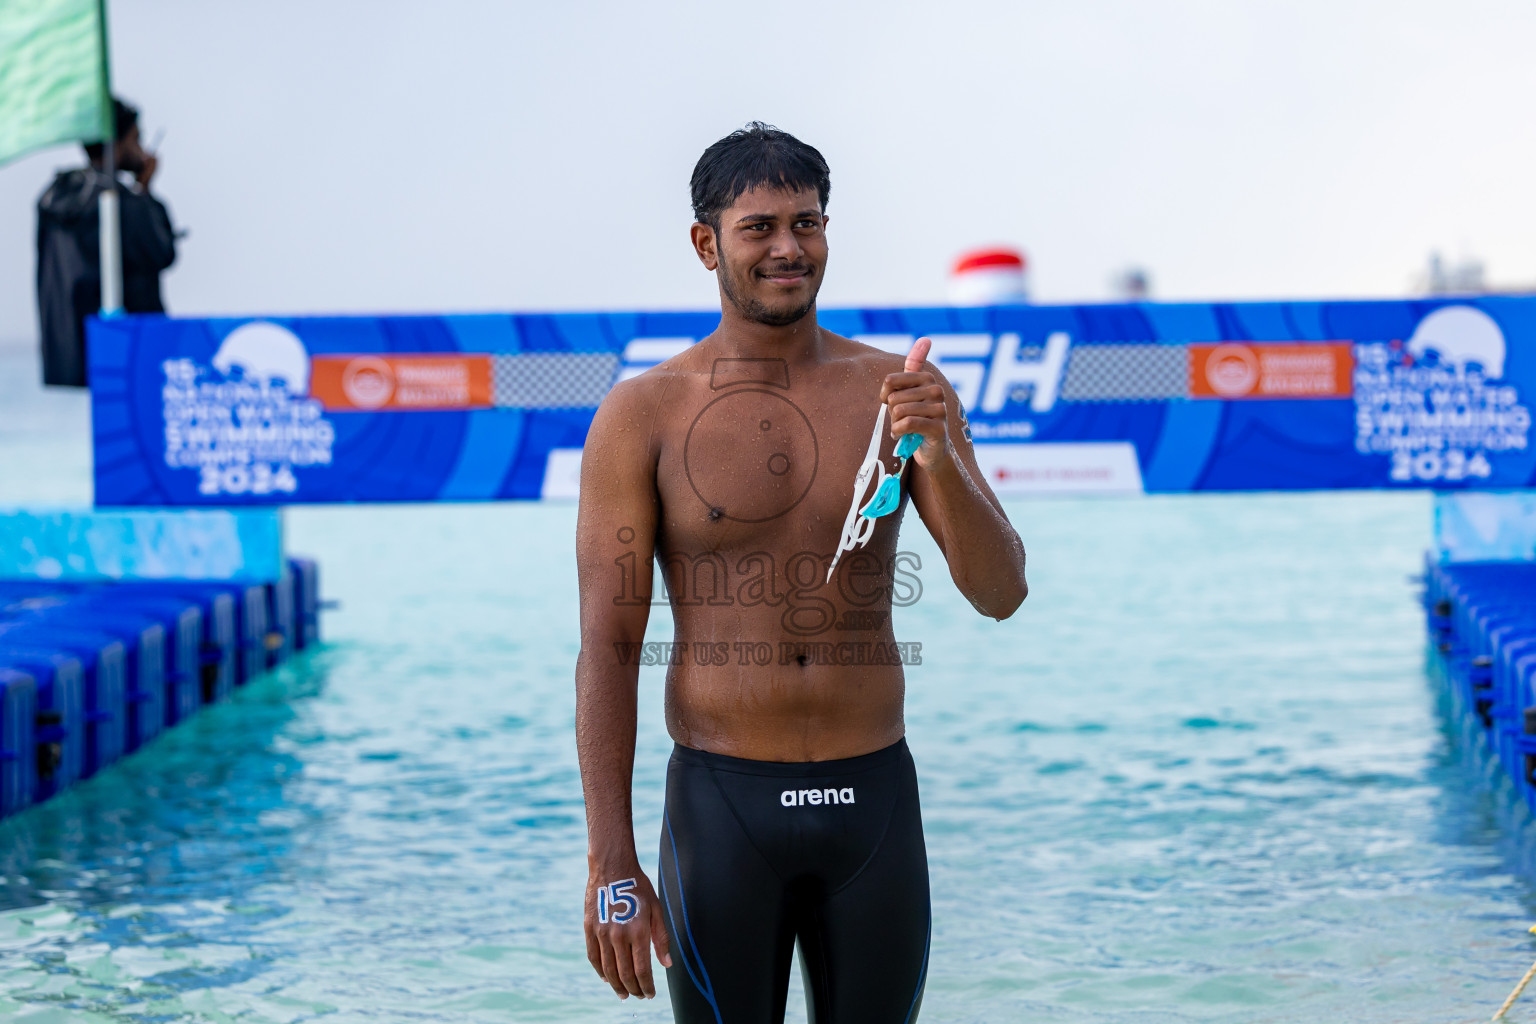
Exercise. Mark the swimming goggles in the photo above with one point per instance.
(859, 526)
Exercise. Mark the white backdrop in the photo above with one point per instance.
(392, 156)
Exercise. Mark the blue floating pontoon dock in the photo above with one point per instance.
(1482, 621)
(1480, 599)
(93, 668)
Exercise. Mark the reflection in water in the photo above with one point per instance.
(162, 848)
(196, 807)
(1477, 805)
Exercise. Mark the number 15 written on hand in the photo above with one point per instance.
(614, 902)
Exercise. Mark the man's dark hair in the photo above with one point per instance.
(124, 117)
(758, 154)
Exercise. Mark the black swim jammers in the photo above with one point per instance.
(756, 855)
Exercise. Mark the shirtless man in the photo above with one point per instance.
(791, 800)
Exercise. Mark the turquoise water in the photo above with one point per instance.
(1202, 776)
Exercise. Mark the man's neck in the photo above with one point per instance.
(798, 343)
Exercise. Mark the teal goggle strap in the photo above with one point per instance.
(859, 526)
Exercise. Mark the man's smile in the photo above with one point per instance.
(788, 276)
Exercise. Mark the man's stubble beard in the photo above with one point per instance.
(754, 311)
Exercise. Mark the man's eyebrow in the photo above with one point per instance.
(759, 218)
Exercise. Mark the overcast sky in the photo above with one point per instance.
(461, 156)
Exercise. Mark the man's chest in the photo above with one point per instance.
(761, 464)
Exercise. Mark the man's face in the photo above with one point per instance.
(769, 253)
(130, 152)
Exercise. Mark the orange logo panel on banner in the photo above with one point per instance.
(1265, 369)
(365, 383)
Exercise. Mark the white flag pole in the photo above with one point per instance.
(111, 241)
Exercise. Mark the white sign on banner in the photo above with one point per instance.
(1085, 467)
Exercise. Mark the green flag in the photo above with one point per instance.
(53, 74)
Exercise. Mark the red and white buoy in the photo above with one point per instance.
(996, 276)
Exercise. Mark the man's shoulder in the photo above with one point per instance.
(639, 399)
(643, 388)
(877, 360)
(71, 193)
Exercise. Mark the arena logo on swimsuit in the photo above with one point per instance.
(816, 797)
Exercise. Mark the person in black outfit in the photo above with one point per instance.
(69, 247)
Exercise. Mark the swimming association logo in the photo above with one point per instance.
(245, 420)
(1459, 338)
(1438, 405)
(367, 382)
(1256, 370)
(265, 353)
(1232, 370)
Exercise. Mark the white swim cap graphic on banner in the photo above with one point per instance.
(1461, 336)
(264, 353)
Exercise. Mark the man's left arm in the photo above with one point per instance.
(984, 552)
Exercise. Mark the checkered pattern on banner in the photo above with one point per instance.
(1126, 373)
(552, 380)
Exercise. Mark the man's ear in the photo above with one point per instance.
(704, 242)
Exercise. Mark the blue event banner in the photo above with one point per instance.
(1060, 399)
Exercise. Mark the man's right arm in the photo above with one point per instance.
(615, 537)
(149, 240)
